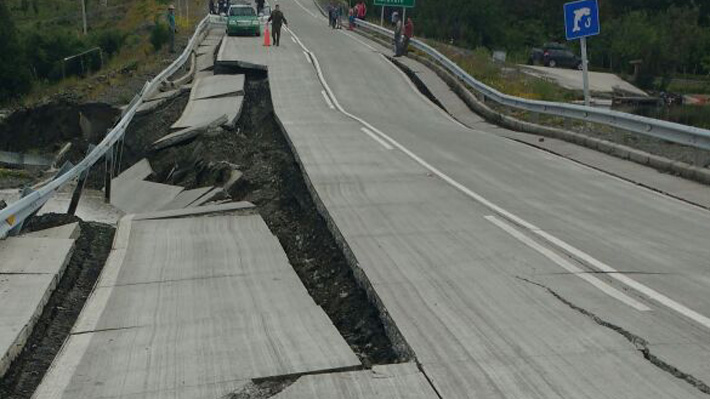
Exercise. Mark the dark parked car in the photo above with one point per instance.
(555, 55)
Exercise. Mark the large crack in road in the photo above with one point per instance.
(273, 181)
(637, 341)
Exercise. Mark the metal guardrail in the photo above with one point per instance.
(18, 211)
(674, 132)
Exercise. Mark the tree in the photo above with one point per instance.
(14, 76)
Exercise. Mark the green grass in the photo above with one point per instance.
(507, 77)
(15, 174)
(132, 17)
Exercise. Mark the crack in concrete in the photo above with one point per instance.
(262, 389)
(640, 343)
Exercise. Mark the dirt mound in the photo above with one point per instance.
(46, 128)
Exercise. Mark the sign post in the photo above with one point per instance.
(582, 21)
(395, 3)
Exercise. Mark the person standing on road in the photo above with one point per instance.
(398, 29)
(259, 6)
(408, 34)
(331, 15)
(277, 19)
(212, 10)
(351, 19)
(172, 27)
(362, 11)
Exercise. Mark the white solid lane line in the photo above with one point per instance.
(307, 57)
(306, 10)
(293, 40)
(327, 99)
(602, 286)
(350, 35)
(577, 253)
(376, 138)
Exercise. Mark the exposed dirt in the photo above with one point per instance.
(90, 253)
(273, 181)
(45, 129)
(263, 389)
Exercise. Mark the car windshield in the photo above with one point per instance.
(241, 11)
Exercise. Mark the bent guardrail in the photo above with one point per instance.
(18, 211)
(674, 132)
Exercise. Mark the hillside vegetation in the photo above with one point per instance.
(39, 34)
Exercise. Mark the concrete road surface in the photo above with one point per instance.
(510, 272)
(571, 79)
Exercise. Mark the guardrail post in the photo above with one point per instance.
(76, 195)
(109, 174)
(701, 158)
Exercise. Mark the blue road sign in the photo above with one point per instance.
(582, 19)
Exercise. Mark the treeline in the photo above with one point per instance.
(669, 36)
(37, 53)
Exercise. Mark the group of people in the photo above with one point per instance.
(221, 7)
(335, 12)
(403, 33)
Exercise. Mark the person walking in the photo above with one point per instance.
(398, 30)
(212, 9)
(408, 34)
(259, 6)
(331, 15)
(351, 19)
(172, 28)
(277, 19)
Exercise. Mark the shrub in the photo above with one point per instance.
(110, 40)
(15, 78)
(159, 35)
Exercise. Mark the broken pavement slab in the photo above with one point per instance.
(23, 297)
(218, 86)
(139, 171)
(185, 198)
(215, 194)
(29, 272)
(71, 230)
(242, 207)
(35, 255)
(134, 196)
(167, 318)
(187, 134)
(396, 381)
(202, 112)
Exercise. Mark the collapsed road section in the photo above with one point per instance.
(252, 162)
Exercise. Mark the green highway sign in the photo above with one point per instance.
(395, 3)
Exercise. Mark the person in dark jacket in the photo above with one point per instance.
(212, 9)
(277, 19)
(259, 6)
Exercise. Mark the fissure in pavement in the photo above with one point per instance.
(272, 180)
(639, 343)
(91, 250)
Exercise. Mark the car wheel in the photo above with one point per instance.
(552, 64)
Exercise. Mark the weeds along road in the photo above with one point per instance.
(510, 272)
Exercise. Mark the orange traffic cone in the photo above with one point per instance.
(267, 36)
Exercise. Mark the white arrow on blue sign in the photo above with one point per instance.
(582, 19)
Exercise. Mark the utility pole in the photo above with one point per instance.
(83, 13)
